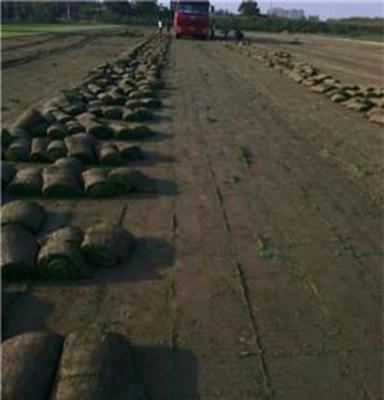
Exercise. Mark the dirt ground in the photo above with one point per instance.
(35, 68)
(350, 60)
(257, 272)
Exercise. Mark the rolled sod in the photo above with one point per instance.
(60, 257)
(105, 98)
(112, 112)
(108, 154)
(97, 184)
(74, 109)
(121, 178)
(155, 83)
(18, 252)
(81, 146)
(135, 95)
(133, 132)
(61, 116)
(117, 98)
(39, 150)
(18, 150)
(148, 93)
(17, 133)
(47, 113)
(106, 244)
(38, 130)
(56, 131)
(27, 214)
(143, 114)
(6, 137)
(120, 131)
(133, 103)
(96, 365)
(131, 115)
(151, 102)
(127, 180)
(95, 89)
(61, 182)
(29, 119)
(72, 163)
(56, 149)
(84, 117)
(8, 172)
(97, 129)
(97, 111)
(126, 87)
(73, 127)
(95, 103)
(130, 152)
(27, 182)
(71, 234)
(29, 364)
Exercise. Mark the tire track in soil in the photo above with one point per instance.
(309, 283)
(190, 126)
(5, 64)
(239, 270)
(260, 351)
(6, 49)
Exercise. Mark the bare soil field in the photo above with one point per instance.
(34, 67)
(348, 59)
(257, 272)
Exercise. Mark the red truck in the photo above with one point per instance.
(192, 18)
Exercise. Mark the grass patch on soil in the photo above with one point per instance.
(243, 156)
(16, 30)
(264, 248)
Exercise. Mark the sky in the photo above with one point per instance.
(323, 8)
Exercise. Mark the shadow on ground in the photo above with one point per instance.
(23, 312)
(167, 373)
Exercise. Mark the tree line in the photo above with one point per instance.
(249, 18)
(59, 11)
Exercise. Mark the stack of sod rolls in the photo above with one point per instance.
(60, 256)
(20, 221)
(26, 182)
(93, 364)
(105, 245)
(124, 90)
(67, 177)
(29, 365)
(96, 364)
(66, 253)
(63, 178)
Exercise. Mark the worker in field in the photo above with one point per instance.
(160, 26)
(239, 35)
(169, 25)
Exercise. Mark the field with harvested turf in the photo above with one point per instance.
(256, 271)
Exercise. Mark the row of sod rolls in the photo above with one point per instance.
(65, 253)
(81, 145)
(368, 100)
(68, 177)
(88, 365)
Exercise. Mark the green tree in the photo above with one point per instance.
(122, 8)
(249, 8)
(146, 7)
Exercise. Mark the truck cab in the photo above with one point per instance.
(192, 18)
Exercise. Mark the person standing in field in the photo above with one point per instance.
(160, 25)
(169, 24)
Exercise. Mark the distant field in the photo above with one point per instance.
(15, 30)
